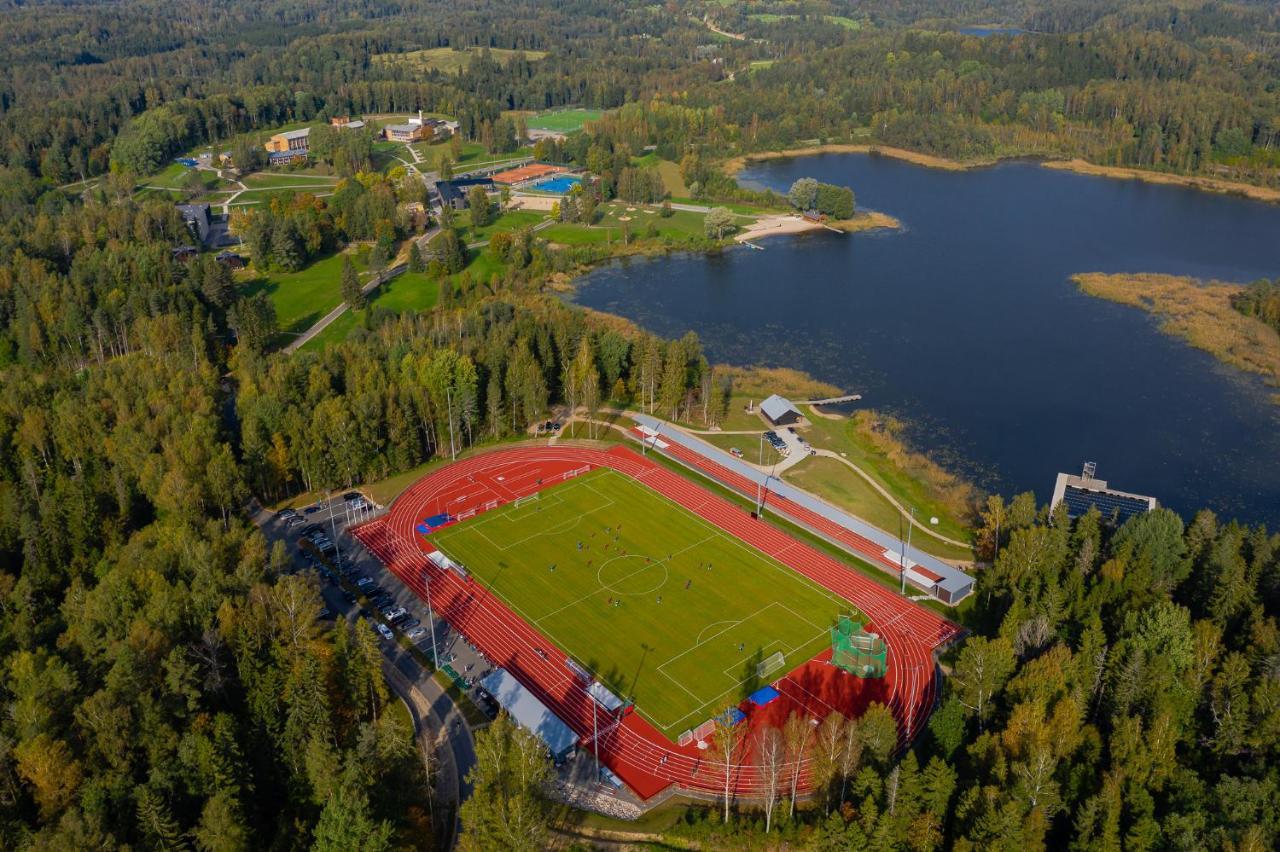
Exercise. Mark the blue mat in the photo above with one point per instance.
(764, 695)
(434, 522)
(733, 716)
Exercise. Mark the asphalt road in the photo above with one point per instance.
(439, 725)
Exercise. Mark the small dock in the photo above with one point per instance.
(832, 400)
(750, 244)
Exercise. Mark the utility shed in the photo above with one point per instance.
(530, 713)
(779, 411)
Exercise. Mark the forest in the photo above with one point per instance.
(168, 683)
(1191, 92)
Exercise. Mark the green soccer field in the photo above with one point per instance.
(563, 121)
(664, 607)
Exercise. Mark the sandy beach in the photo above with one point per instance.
(769, 226)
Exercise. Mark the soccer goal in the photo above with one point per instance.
(528, 498)
(578, 471)
(492, 504)
(770, 664)
(463, 516)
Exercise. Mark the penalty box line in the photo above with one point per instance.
(553, 500)
(719, 699)
(737, 684)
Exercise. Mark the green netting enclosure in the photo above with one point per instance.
(856, 651)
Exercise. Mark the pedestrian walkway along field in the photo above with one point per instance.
(665, 608)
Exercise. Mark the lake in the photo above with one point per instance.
(966, 324)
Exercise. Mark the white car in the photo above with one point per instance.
(385, 631)
(417, 633)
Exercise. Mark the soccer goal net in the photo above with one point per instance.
(770, 664)
(528, 498)
(857, 651)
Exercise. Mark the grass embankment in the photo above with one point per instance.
(911, 479)
(736, 164)
(874, 443)
(1199, 313)
(1206, 184)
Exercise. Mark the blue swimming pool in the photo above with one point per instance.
(560, 185)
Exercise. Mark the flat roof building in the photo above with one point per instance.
(1086, 491)
(779, 411)
(198, 219)
(407, 132)
(529, 172)
(289, 140)
(530, 713)
(453, 193)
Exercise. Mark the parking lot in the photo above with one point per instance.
(355, 584)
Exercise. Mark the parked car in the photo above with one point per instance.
(399, 620)
(286, 514)
(397, 611)
(351, 496)
(410, 624)
(735, 452)
(296, 521)
(364, 582)
(385, 632)
(417, 633)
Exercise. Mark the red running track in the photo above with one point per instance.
(633, 748)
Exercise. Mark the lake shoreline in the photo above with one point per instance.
(789, 224)
(1197, 312)
(1204, 184)
(736, 164)
(1077, 165)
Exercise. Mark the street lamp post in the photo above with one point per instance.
(902, 559)
(333, 529)
(431, 618)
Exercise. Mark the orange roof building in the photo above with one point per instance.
(524, 173)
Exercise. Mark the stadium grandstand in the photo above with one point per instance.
(1084, 492)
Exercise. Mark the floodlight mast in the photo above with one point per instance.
(902, 557)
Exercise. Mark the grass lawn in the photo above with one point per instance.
(843, 437)
(563, 121)
(671, 180)
(847, 23)
(300, 298)
(447, 59)
(749, 444)
(695, 610)
(512, 220)
(278, 180)
(612, 216)
(432, 152)
(175, 176)
(833, 481)
(408, 291)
